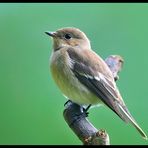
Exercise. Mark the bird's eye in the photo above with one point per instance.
(67, 36)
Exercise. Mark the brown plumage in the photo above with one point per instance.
(83, 76)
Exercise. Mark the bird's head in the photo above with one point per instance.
(69, 37)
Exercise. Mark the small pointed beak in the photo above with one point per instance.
(52, 34)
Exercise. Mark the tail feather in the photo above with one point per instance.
(127, 117)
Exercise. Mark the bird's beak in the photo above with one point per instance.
(52, 34)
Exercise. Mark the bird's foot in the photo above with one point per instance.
(67, 103)
(85, 110)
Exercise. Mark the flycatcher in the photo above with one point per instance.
(83, 76)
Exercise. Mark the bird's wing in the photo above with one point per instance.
(98, 83)
(102, 85)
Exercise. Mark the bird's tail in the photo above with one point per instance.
(124, 114)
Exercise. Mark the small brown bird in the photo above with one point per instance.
(83, 76)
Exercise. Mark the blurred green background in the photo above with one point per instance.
(31, 105)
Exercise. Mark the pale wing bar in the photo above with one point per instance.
(95, 86)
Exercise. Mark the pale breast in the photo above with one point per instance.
(68, 83)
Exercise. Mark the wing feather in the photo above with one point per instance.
(102, 86)
(96, 82)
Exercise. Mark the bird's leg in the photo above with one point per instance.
(66, 103)
(82, 112)
(85, 110)
(88, 107)
(75, 112)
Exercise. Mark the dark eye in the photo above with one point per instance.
(67, 36)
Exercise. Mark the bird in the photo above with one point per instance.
(83, 76)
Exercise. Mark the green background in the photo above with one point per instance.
(31, 105)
